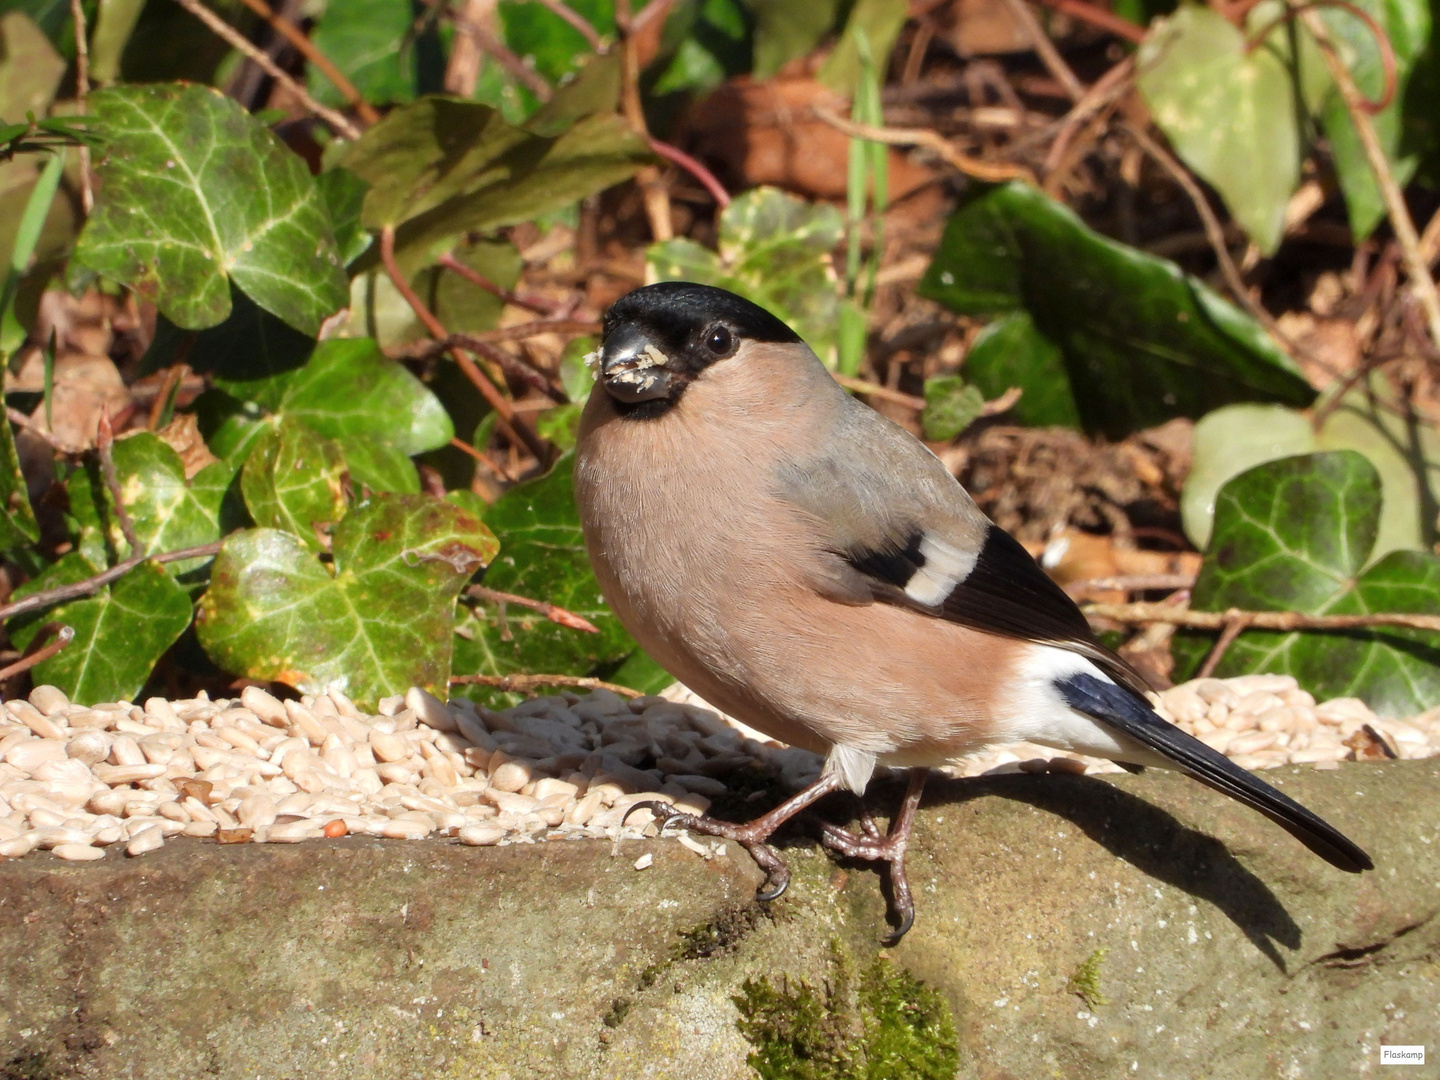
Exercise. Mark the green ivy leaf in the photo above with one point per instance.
(950, 407)
(1293, 535)
(120, 632)
(785, 30)
(1407, 24)
(349, 391)
(1229, 112)
(293, 479)
(1371, 419)
(1141, 341)
(379, 623)
(1012, 352)
(542, 556)
(344, 195)
(17, 518)
(775, 251)
(439, 168)
(552, 45)
(370, 41)
(195, 194)
(169, 512)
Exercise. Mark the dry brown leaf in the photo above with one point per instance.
(84, 385)
(183, 435)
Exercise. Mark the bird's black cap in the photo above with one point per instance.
(675, 311)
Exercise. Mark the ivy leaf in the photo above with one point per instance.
(120, 632)
(370, 42)
(774, 251)
(950, 407)
(349, 391)
(1141, 342)
(169, 513)
(294, 479)
(1407, 25)
(1012, 352)
(17, 518)
(379, 623)
(344, 195)
(439, 168)
(1371, 419)
(1292, 535)
(195, 194)
(542, 556)
(552, 45)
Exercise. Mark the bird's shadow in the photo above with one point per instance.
(1148, 838)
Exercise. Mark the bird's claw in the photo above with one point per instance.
(664, 813)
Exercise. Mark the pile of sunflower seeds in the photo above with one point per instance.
(82, 780)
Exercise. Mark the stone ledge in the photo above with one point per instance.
(1229, 949)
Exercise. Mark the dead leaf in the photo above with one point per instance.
(84, 385)
(183, 436)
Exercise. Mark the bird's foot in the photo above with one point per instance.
(751, 837)
(890, 848)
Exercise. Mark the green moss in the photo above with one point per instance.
(885, 1025)
(26, 1066)
(1085, 982)
(619, 1009)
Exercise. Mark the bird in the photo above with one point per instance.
(812, 568)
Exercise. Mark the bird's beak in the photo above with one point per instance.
(632, 367)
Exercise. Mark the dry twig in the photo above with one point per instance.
(1045, 48)
(991, 171)
(539, 305)
(293, 34)
(239, 41)
(524, 684)
(553, 612)
(1259, 620)
(497, 401)
(82, 88)
(61, 593)
(1403, 225)
(63, 636)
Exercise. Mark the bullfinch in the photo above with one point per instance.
(811, 568)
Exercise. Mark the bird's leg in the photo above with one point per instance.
(753, 834)
(889, 849)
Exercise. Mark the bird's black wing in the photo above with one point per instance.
(1003, 592)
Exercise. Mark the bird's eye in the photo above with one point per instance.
(720, 341)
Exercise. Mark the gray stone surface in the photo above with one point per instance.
(1230, 950)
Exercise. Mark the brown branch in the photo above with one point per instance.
(63, 636)
(1259, 620)
(652, 187)
(1403, 225)
(82, 88)
(514, 365)
(504, 410)
(1214, 231)
(575, 19)
(496, 50)
(1045, 48)
(537, 304)
(1131, 583)
(553, 612)
(1227, 637)
(1382, 43)
(61, 593)
(293, 34)
(174, 376)
(104, 442)
(240, 42)
(1096, 16)
(484, 459)
(523, 684)
(991, 171)
(694, 168)
(1111, 86)
(870, 389)
(19, 419)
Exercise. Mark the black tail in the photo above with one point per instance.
(1122, 710)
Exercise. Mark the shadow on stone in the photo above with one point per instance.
(1152, 841)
